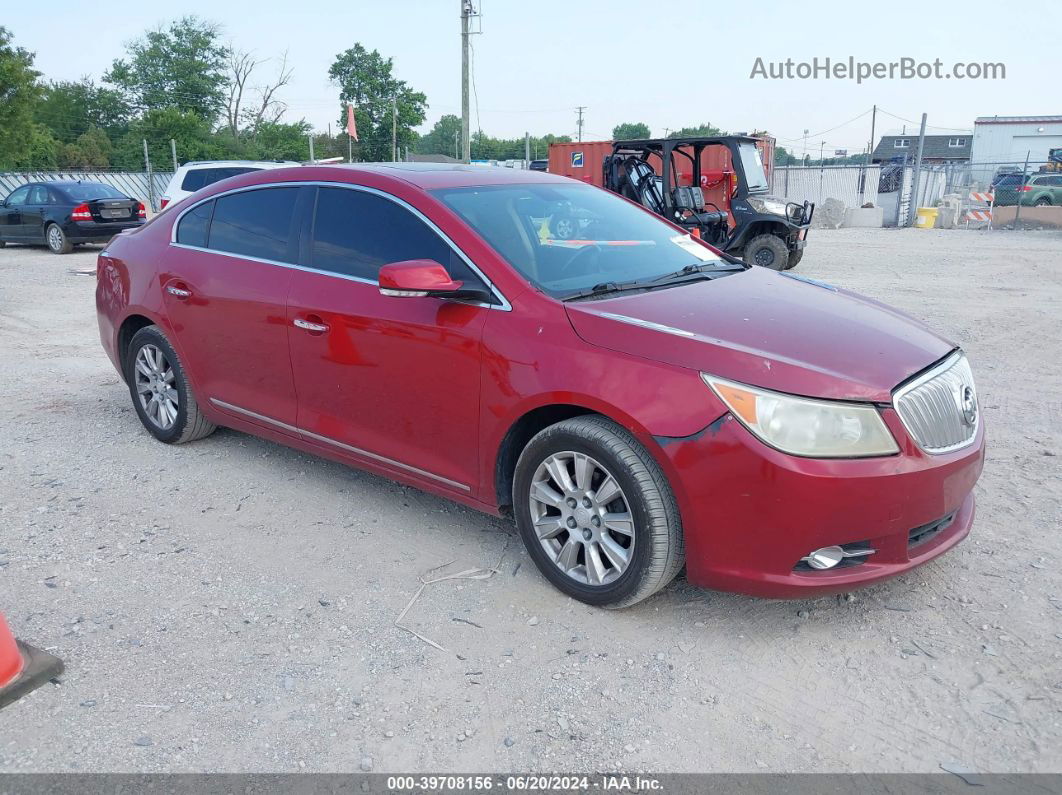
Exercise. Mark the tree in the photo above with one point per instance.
(19, 95)
(276, 141)
(239, 110)
(443, 139)
(183, 67)
(71, 108)
(365, 78)
(92, 149)
(193, 136)
(630, 131)
(700, 131)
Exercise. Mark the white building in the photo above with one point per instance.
(1003, 140)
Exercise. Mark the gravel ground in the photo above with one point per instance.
(229, 605)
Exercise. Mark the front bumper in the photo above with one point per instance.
(750, 513)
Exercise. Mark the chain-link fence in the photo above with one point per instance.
(135, 184)
(969, 195)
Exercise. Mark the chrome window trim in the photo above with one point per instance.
(941, 367)
(504, 306)
(356, 450)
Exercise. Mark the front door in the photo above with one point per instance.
(391, 380)
(33, 214)
(11, 213)
(225, 284)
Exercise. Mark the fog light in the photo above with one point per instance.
(825, 558)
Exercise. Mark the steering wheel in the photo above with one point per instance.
(567, 268)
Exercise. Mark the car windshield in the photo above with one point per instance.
(88, 191)
(569, 238)
(752, 165)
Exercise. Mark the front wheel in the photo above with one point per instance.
(596, 513)
(794, 258)
(57, 240)
(162, 395)
(767, 251)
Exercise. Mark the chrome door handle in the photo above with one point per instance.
(309, 326)
(179, 292)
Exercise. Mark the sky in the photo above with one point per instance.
(534, 63)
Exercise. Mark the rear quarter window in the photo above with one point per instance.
(194, 226)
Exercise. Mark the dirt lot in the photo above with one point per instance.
(229, 605)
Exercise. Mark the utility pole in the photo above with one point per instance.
(873, 124)
(457, 144)
(394, 129)
(804, 160)
(1017, 207)
(173, 151)
(467, 12)
(912, 205)
(527, 150)
(579, 123)
(310, 137)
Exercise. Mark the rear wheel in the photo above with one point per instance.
(162, 395)
(767, 251)
(1043, 201)
(794, 258)
(596, 513)
(57, 240)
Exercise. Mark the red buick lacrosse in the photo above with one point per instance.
(532, 346)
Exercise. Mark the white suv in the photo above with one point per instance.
(192, 176)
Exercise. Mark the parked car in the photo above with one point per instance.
(64, 214)
(635, 399)
(539, 165)
(1032, 190)
(195, 175)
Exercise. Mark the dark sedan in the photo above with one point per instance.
(63, 214)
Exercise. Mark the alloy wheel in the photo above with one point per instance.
(582, 518)
(55, 237)
(155, 386)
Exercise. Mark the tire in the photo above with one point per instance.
(1043, 201)
(176, 425)
(794, 258)
(654, 549)
(563, 227)
(57, 241)
(767, 251)
(3, 243)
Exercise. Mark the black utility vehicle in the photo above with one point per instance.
(767, 231)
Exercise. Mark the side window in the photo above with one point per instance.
(356, 232)
(38, 195)
(194, 226)
(201, 177)
(255, 223)
(18, 196)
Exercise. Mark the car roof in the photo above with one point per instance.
(426, 176)
(214, 163)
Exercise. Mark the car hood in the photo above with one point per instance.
(768, 329)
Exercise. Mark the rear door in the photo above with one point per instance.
(391, 380)
(33, 213)
(225, 283)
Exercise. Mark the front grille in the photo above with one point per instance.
(939, 408)
(927, 532)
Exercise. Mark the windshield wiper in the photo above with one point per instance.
(697, 267)
(604, 288)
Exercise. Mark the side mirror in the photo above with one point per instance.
(417, 278)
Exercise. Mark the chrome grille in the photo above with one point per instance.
(939, 408)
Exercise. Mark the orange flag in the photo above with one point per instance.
(352, 128)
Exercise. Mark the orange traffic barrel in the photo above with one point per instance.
(22, 667)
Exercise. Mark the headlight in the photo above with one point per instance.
(767, 206)
(806, 427)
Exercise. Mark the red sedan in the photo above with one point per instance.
(638, 401)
